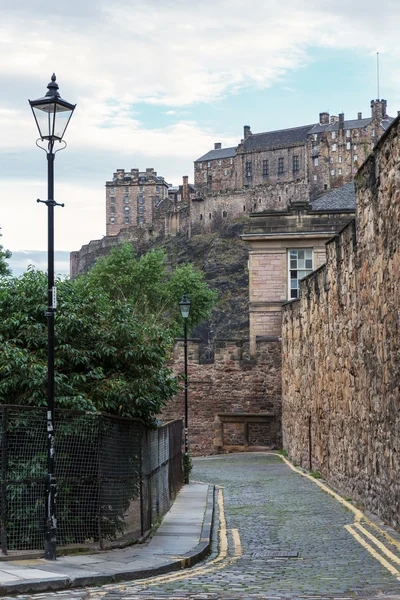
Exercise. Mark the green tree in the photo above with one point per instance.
(151, 288)
(4, 256)
(108, 357)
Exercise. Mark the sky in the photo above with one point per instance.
(157, 82)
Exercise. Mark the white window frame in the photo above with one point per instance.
(348, 146)
(333, 147)
(347, 132)
(289, 295)
(333, 135)
(339, 159)
(316, 161)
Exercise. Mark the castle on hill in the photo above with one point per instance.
(269, 171)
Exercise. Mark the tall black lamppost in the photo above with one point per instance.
(184, 305)
(52, 115)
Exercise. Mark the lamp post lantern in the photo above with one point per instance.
(52, 115)
(184, 306)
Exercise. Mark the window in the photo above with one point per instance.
(316, 161)
(157, 189)
(209, 215)
(200, 165)
(112, 190)
(315, 178)
(112, 219)
(300, 265)
(141, 219)
(355, 147)
(126, 191)
(355, 158)
(208, 164)
(112, 200)
(201, 217)
(265, 168)
(141, 210)
(373, 132)
(331, 161)
(127, 219)
(315, 137)
(339, 171)
(339, 159)
(140, 188)
(204, 175)
(219, 163)
(224, 214)
(226, 172)
(333, 147)
(325, 187)
(332, 172)
(347, 145)
(126, 199)
(140, 199)
(248, 168)
(347, 132)
(126, 209)
(333, 135)
(112, 209)
(295, 164)
(244, 207)
(281, 165)
(231, 161)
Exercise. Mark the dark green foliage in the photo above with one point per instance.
(153, 289)
(108, 357)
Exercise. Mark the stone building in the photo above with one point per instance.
(323, 155)
(286, 245)
(132, 197)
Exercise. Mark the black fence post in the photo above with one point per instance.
(99, 480)
(309, 444)
(4, 461)
(141, 480)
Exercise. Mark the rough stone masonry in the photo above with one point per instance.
(341, 348)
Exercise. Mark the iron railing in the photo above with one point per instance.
(115, 477)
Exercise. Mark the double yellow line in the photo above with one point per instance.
(219, 562)
(358, 518)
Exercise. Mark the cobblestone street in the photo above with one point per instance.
(287, 538)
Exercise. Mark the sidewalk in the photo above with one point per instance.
(182, 539)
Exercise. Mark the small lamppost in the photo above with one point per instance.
(184, 306)
(52, 115)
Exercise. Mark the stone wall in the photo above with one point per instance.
(234, 403)
(341, 348)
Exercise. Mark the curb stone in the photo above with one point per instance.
(188, 560)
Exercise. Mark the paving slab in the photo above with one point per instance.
(177, 543)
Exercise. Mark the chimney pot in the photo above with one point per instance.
(246, 131)
(324, 118)
(217, 146)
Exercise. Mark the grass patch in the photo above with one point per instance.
(316, 474)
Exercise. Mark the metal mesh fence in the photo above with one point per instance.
(115, 477)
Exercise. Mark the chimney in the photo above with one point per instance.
(324, 118)
(359, 116)
(341, 121)
(334, 119)
(378, 109)
(398, 113)
(246, 131)
(185, 188)
(217, 146)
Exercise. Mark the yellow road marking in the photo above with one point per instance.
(378, 543)
(220, 562)
(373, 552)
(358, 515)
(236, 542)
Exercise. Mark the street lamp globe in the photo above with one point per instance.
(52, 114)
(184, 305)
